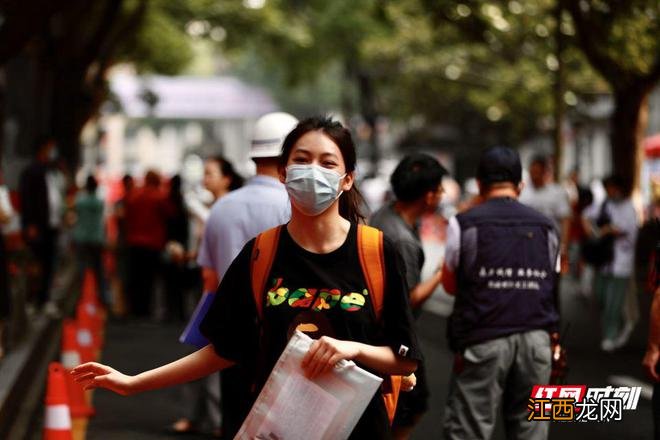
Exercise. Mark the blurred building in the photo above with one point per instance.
(157, 121)
(587, 139)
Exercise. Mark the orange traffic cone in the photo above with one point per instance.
(57, 420)
(89, 288)
(92, 321)
(71, 357)
(71, 354)
(87, 339)
(89, 302)
(78, 405)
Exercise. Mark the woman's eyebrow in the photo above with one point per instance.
(323, 155)
(329, 155)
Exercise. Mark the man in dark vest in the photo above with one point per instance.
(501, 264)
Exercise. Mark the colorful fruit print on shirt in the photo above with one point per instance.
(317, 300)
(352, 302)
(277, 294)
(326, 300)
(302, 298)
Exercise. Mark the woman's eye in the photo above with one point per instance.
(329, 164)
(299, 160)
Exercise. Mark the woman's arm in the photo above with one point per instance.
(326, 352)
(194, 366)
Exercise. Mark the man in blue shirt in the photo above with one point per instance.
(242, 214)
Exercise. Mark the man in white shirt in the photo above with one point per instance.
(613, 281)
(548, 198)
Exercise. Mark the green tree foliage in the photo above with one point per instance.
(484, 67)
(487, 68)
(71, 46)
(621, 40)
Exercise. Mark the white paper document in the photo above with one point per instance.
(292, 407)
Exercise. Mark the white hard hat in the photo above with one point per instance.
(269, 133)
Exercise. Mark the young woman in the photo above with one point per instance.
(317, 252)
(220, 177)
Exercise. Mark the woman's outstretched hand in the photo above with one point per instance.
(94, 375)
(324, 354)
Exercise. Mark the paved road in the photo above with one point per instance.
(131, 347)
(134, 346)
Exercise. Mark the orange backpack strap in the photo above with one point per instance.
(370, 251)
(263, 254)
(372, 260)
(390, 391)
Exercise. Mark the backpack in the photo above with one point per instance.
(370, 251)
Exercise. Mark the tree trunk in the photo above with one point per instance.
(370, 116)
(629, 121)
(347, 90)
(558, 91)
(68, 108)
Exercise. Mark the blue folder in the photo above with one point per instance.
(191, 334)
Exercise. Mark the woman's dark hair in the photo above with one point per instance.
(585, 198)
(175, 184)
(614, 180)
(152, 178)
(91, 184)
(227, 169)
(416, 175)
(539, 159)
(351, 201)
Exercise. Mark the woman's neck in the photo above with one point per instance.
(321, 234)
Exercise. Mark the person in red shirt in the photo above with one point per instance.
(146, 233)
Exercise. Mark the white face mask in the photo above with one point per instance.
(312, 188)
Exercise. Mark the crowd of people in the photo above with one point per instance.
(505, 253)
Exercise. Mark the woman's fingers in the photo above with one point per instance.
(315, 365)
(408, 382)
(91, 367)
(83, 377)
(322, 357)
(89, 383)
(94, 375)
(310, 354)
(324, 362)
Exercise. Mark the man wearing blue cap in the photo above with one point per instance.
(501, 263)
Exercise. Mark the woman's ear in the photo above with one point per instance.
(281, 171)
(226, 181)
(348, 180)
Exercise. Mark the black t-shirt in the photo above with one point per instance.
(324, 294)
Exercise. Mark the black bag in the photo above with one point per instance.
(599, 251)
